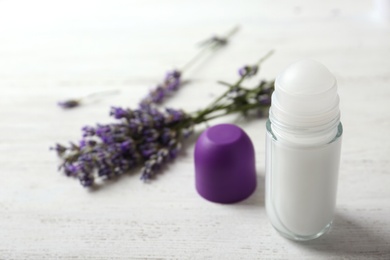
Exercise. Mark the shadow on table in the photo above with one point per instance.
(351, 238)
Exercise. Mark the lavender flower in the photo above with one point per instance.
(150, 137)
(138, 136)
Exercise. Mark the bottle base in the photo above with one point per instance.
(300, 238)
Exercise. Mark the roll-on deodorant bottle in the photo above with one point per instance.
(303, 143)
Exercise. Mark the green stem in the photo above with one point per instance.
(224, 83)
(265, 57)
(245, 108)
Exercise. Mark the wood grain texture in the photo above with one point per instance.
(51, 50)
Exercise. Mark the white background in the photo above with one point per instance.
(53, 50)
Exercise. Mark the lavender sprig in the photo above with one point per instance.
(173, 79)
(149, 137)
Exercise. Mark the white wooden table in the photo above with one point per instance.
(51, 50)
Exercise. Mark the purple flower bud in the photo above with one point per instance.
(146, 120)
(157, 96)
(73, 147)
(71, 169)
(71, 103)
(82, 143)
(174, 151)
(102, 129)
(135, 126)
(86, 180)
(162, 154)
(173, 148)
(174, 115)
(85, 158)
(146, 173)
(60, 149)
(170, 84)
(265, 100)
(173, 74)
(125, 165)
(248, 71)
(88, 131)
(268, 91)
(154, 164)
(219, 40)
(187, 132)
(150, 135)
(242, 71)
(91, 143)
(148, 149)
(154, 117)
(236, 93)
(105, 171)
(172, 80)
(173, 85)
(107, 139)
(118, 113)
(126, 145)
(166, 136)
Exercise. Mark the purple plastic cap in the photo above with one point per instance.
(225, 169)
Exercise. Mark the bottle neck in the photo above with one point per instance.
(316, 134)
